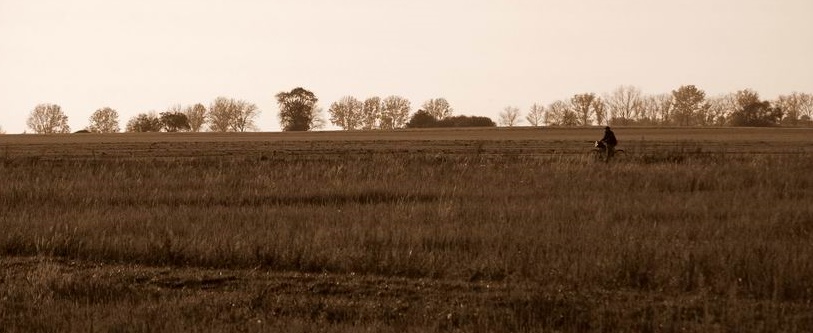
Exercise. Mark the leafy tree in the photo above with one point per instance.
(394, 112)
(422, 119)
(104, 120)
(297, 109)
(757, 114)
(438, 108)
(231, 115)
(144, 122)
(536, 115)
(371, 112)
(687, 104)
(346, 113)
(196, 117)
(174, 121)
(509, 116)
(2, 131)
(47, 119)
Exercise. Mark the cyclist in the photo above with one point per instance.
(610, 141)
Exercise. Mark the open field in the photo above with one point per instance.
(475, 230)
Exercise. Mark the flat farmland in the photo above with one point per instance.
(519, 141)
(472, 230)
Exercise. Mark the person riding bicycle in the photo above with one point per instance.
(610, 141)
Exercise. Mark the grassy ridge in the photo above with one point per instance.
(670, 219)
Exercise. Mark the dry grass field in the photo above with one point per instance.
(469, 230)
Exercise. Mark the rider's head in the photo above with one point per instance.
(607, 128)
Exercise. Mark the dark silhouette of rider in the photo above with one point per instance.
(610, 141)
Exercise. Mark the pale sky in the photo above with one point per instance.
(481, 55)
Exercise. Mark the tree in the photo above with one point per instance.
(657, 110)
(195, 116)
(371, 113)
(104, 120)
(600, 111)
(509, 116)
(346, 113)
(48, 119)
(231, 115)
(2, 131)
(144, 122)
(422, 119)
(536, 115)
(798, 108)
(625, 105)
(561, 114)
(438, 108)
(585, 107)
(687, 103)
(720, 109)
(296, 109)
(174, 121)
(394, 112)
(757, 114)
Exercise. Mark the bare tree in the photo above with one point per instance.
(584, 105)
(371, 112)
(394, 112)
(509, 116)
(720, 109)
(798, 108)
(196, 116)
(536, 115)
(438, 108)
(346, 113)
(560, 113)
(47, 119)
(658, 109)
(104, 120)
(600, 111)
(231, 115)
(625, 105)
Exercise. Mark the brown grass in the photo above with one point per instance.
(477, 230)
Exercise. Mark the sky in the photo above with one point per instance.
(480, 55)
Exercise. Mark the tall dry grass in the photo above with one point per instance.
(676, 222)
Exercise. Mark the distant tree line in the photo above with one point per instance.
(685, 106)
(299, 111)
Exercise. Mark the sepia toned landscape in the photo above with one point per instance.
(436, 230)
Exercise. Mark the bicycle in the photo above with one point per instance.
(601, 152)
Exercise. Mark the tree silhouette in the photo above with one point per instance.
(47, 119)
(174, 121)
(687, 102)
(438, 108)
(296, 109)
(422, 119)
(346, 113)
(144, 122)
(104, 120)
